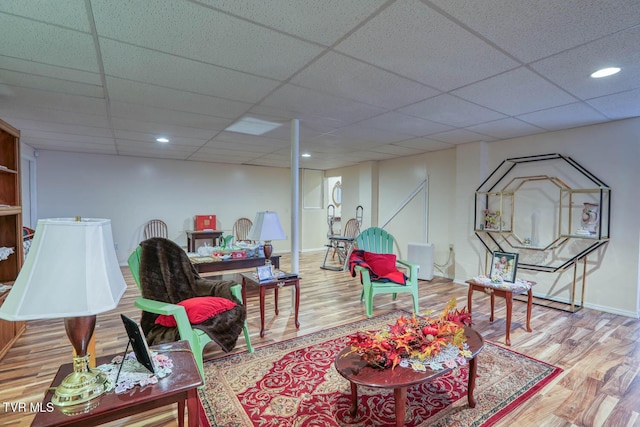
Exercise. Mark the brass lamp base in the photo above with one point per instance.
(80, 386)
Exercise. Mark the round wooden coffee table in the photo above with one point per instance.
(356, 370)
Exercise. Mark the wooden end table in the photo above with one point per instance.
(178, 387)
(251, 278)
(505, 293)
(192, 236)
(358, 372)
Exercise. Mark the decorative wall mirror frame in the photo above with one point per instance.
(336, 194)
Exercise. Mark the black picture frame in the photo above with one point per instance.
(138, 342)
(504, 265)
(264, 273)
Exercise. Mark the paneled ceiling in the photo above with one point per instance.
(367, 79)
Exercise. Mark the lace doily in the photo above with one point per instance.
(518, 287)
(133, 373)
(449, 357)
(5, 252)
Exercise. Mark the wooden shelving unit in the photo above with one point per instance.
(10, 225)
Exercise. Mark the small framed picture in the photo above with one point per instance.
(265, 273)
(504, 265)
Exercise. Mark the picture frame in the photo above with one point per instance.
(504, 265)
(264, 273)
(138, 342)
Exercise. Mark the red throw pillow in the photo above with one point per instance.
(198, 310)
(381, 264)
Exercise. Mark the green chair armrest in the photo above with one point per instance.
(177, 311)
(413, 268)
(236, 291)
(366, 275)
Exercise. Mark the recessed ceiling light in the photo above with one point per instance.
(306, 155)
(162, 139)
(605, 72)
(253, 126)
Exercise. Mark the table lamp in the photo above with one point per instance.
(266, 227)
(71, 272)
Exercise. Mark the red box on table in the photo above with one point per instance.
(205, 222)
(238, 254)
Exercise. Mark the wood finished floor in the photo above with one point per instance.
(599, 352)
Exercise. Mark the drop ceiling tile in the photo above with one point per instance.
(138, 93)
(32, 81)
(505, 128)
(226, 147)
(237, 155)
(515, 92)
(47, 44)
(175, 140)
(45, 117)
(416, 41)
(255, 140)
(155, 129)
(45, 70)
(305, 101)
(425, 144)
(397, 150)
(314, 123)
(65, 13)
(153, 67)
(340, 75)
(59, 137)
(618, 106)
(572, 69)
(531, 32)
(61, 128)
(323, 22)
(452, 111)
(403, 123)
(78, 147)
(146, 113)
(19, 97)
(209, 36)
(369, 134)
(152, 149)
(567, 116)
(459, 136)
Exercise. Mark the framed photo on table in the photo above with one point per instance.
(265, 274)
(504, 265)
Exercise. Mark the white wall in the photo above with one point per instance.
(130, 191)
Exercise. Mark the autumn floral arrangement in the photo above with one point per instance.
(418, 342)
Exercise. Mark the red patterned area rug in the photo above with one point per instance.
(294, 383)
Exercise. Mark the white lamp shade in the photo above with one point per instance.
(71, 271)
(266, 226)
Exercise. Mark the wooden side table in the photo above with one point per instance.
(181, 387)
(275, 285)
(192, 236)
(505, 293)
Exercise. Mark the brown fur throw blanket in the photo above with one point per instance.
(166, 274)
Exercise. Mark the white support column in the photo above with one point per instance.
(295, 196)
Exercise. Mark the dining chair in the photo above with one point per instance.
(241, 230)
(156, 228)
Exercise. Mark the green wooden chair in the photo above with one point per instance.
(197, 339)
(377, 240)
